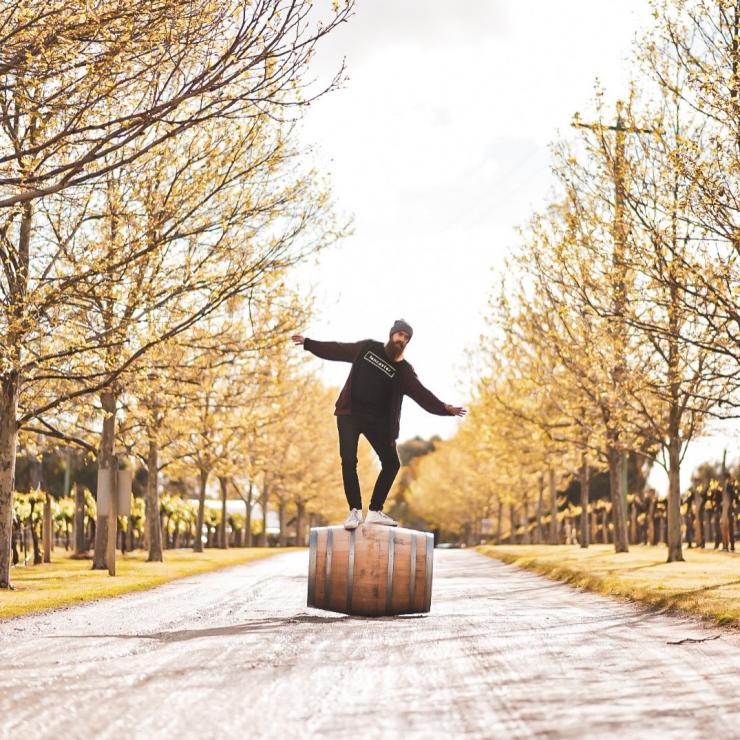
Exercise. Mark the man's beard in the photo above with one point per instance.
(394, 349)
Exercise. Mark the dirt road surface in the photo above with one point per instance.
(236, 654)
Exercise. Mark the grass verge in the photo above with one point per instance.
(706, 584)
(64, 581)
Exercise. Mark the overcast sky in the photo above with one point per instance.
(438, 148)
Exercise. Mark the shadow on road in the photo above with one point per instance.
(254, 625)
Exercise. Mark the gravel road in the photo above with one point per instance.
(236, 654)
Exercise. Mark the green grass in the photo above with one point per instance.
(65, 581)
(706, 584)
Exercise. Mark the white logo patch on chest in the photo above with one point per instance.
(376, 361)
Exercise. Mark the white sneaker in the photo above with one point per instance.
(353, 520)
(378, 517)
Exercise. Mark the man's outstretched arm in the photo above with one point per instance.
(426, 399)
(339, 351)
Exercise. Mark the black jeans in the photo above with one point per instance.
(377, 432)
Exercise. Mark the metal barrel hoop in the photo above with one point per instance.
(430, 564)
(327, 576)
(313, 541)
(412, 573)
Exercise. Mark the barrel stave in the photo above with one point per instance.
(371, 573)
(337, 600)
(420, 586)
(399, 596)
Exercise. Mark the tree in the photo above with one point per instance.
(81, 83)
(104, 92)
(692, 53)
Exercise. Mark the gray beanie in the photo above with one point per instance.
(401, 325)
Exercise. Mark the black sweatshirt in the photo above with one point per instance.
(404, 382)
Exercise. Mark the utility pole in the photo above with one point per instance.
(617, 454)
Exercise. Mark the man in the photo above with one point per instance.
(370, 404)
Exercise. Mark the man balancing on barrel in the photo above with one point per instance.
(370, 404)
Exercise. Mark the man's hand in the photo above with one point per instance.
(455, 410)
(298, 339)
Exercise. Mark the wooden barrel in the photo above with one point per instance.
(373, 570)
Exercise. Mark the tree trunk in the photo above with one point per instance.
(673, 534)
(651, 520)
(105, 462)
(539, 534)
(66, 490)
(37, 559)
(725, 517)
(153, 522)
(283, 524)
(16, 557)
(248, 515)
(554, 537)
(594, 524)
(698, 518)
(499, 516)
(198, 543)
(584, 535)
(223, 538)
(604, 526)
(619, 518)
(512, 524)
(633, 522)
(733, 514)
(47, 530)
(690, 519)
(525, 515)
(264, 501)
(37, 485)
(79, 525)
(10, 384)
(300, 525)
(724, 521)
(709, 522)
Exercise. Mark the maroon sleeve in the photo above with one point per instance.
(340, 351)
(423, 396)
